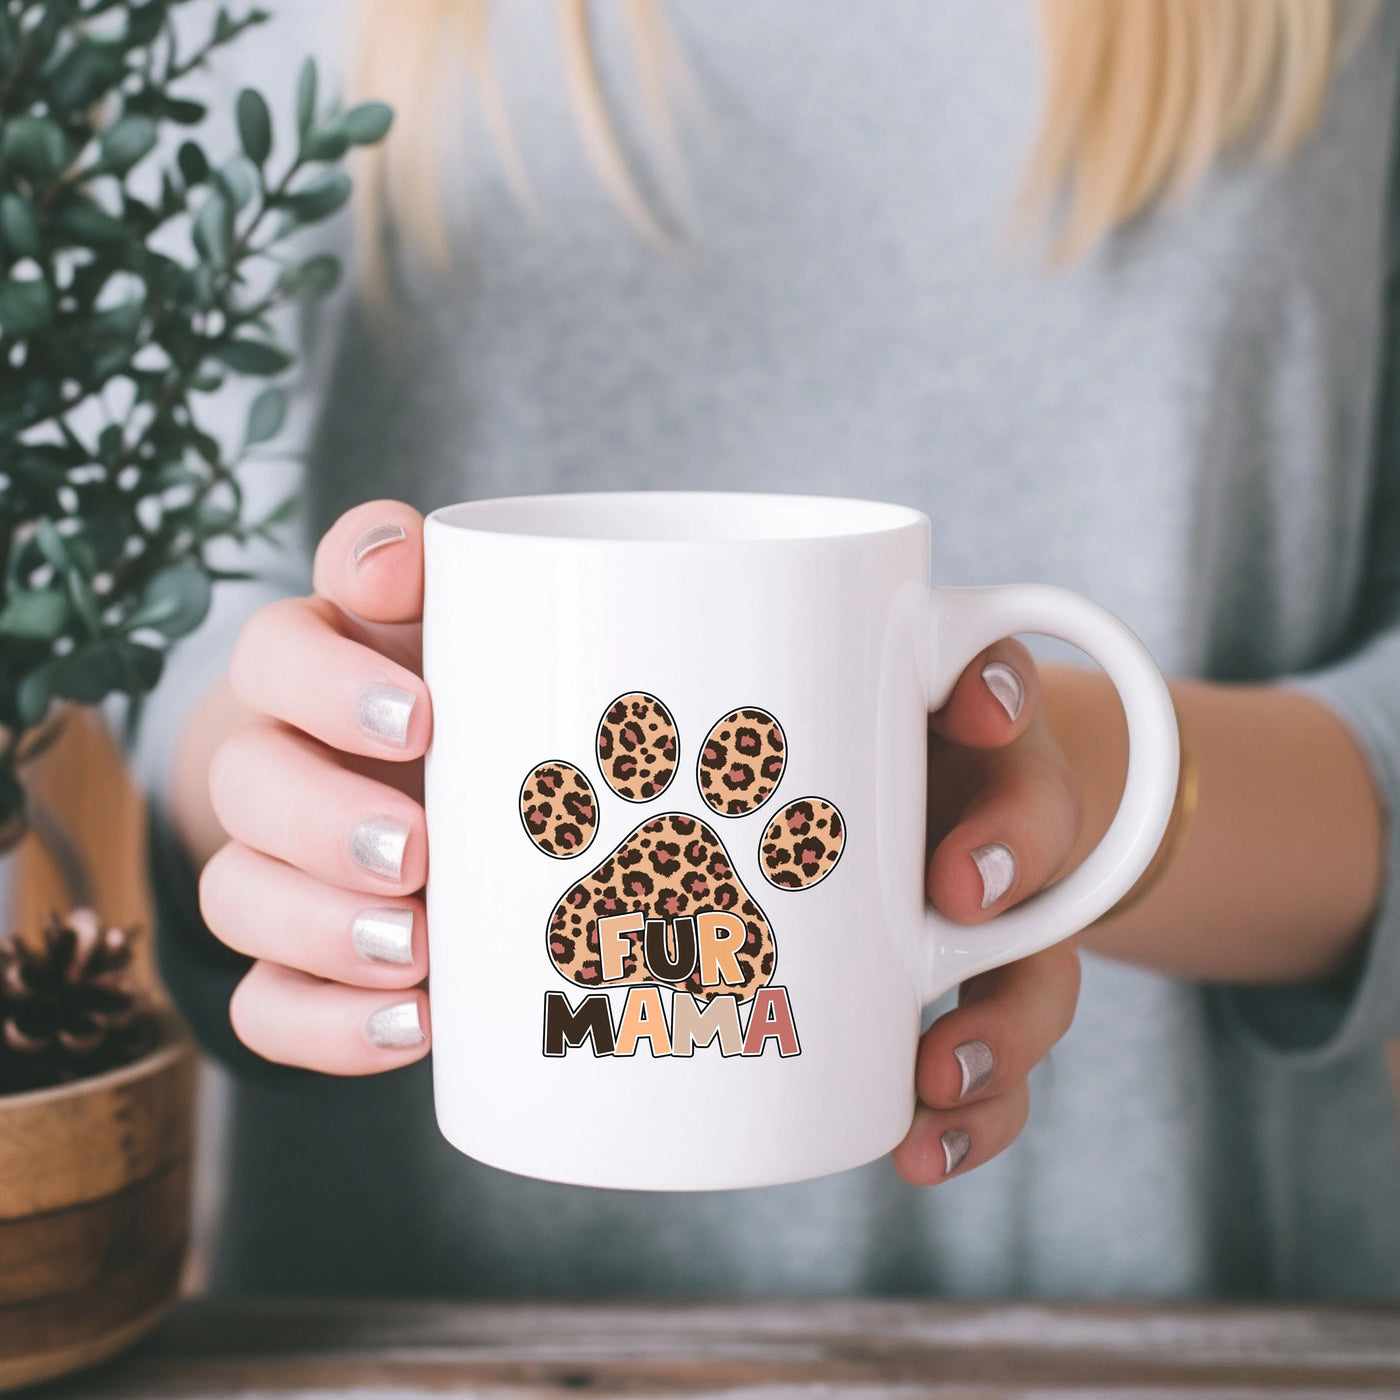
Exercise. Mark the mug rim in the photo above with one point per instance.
(677, 517)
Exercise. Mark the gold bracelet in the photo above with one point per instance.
(1173, 838)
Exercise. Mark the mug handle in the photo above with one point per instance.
(963, 622)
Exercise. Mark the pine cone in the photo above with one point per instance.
(68, 1009)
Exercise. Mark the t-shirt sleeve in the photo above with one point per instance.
(1319, 1024)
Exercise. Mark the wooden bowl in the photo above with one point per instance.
(94, 1211)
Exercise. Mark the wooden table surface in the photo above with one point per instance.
(210, 1350)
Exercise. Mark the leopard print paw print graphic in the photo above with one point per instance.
(666, 907)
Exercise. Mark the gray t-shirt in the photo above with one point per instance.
(1187, 427)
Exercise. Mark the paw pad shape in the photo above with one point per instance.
(741, 762)
(637, 747)
(666, 905)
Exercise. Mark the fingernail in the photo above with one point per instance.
(376, 537)
(1006, 685)
(386, 936)
(956, 1145)
(377, 845)
(975, 1057)
(393, 1027)
(383, 711)
(997, 867)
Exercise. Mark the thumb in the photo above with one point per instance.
(370, 562)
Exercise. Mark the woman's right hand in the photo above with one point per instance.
(322, 879)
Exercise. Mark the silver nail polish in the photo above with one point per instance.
(956, 1145)
(394, 1027)
(975, 1057)
(376, 537)
(997, 867)
(1006, 685)
(377, 845)
(383, 711)
(384, 936)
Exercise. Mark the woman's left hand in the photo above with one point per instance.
(1006, 812)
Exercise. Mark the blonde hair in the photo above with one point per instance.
(1141, 98)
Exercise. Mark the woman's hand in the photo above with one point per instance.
(321, 881)
(1005, 812)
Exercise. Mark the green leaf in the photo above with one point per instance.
(252, 356)
(51, 545)
(93, 672)
(266, 415)
(202, 282)
(35, 145)
(85, 601)
(183, 111)
(25, 307)
(193, 163)
(120, 322)
(319, 198)
(327, 142)
(39, 615)
(144, 665)
(143, 22)
(85, 73)
(254, 126)
(283, 512)
(18, 225)
(213, 229)
(237, 181)
(367, 123)
(206, 445)
(315, 277)
(124, 144)
(111, 443)
(306, 97)
(172, 195)
(87, 224)
(33, 694)
(174, 602)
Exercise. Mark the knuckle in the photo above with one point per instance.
(213, 888)
(1068, 965)
(1012, 1113)
(1061, 977)
(253, 639)
(235, 762)
(223, 767)
(1018, 654)
(240, 1008)
(1020, 1111)
(271, 632)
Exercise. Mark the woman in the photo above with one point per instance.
(1181, 412)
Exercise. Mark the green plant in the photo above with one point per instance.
(137, 273)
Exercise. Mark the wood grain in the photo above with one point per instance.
(94, 1211)
(68, 1251)
(62, 1147)
(833, 1350)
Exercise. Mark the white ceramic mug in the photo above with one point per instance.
(676, 797)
